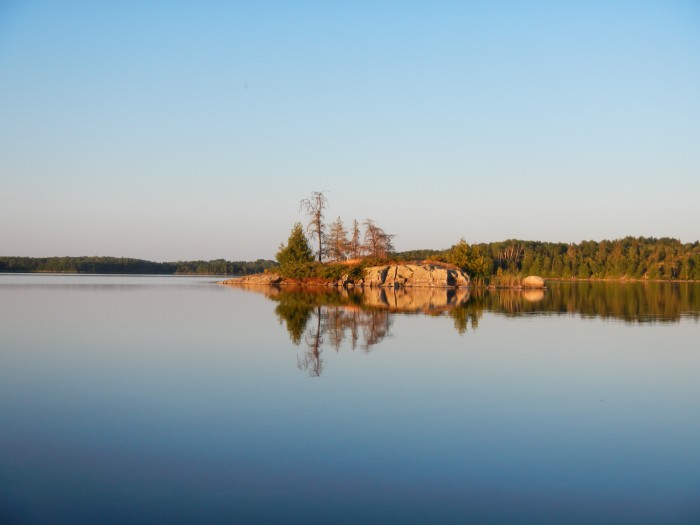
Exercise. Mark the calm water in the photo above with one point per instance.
(175, 400)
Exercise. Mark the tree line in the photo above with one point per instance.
(501, 262)
(628, 258)
(125, 265)
(322, 317)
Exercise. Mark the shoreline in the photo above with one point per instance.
(271, 279)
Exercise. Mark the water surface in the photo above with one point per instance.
(173, 399)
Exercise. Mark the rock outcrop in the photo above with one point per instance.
(391, 275)
(266, 279)
(533, 281)
(424, 275)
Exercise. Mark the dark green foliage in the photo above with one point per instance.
(506, 262)
(628, 258)
(418, 255)
(295, 310)
(336, 271)
(631, 258)
(469, 258)
(222, 267)
(296, 258)
(124, 265)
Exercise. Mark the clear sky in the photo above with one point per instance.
(191, 130)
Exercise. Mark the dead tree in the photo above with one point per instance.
(337, 241)
(378, 243)
(314, 207)
(510, 256)
(355, 244)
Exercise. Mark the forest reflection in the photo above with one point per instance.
(318, 318)
(322, 317)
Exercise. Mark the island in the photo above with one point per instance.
(389, 275)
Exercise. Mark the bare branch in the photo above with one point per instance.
(316, 226)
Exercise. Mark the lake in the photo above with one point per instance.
(142, 399)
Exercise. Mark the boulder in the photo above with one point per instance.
(533, 281)
(412, 275)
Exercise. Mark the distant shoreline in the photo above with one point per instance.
(619, 280)
(128, 266)
(132, 274)
(315, 282)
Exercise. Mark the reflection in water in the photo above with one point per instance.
(324, 316)
(321, 316)
(629, 302)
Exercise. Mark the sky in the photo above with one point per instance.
(191, 130)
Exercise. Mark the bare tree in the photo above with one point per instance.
(511, 255)
(337, 240)
(355, 244)
(314, 209)
(377, 242)
(312, 361)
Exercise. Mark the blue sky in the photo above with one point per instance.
(182, 130)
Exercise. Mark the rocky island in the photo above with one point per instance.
(389, 275)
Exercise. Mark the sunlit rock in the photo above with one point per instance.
(412, 275)
(533, 281)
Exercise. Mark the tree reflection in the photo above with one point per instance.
(311, 359)
(468, 313)
(631, 302)
(295, 312)
(362, 318)
(323, 317)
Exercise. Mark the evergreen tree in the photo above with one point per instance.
(469, 258)
(458, 254)
(296, 257)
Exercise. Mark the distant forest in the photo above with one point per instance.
(115, 265)
(631, 257)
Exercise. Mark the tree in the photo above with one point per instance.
(355, 245)
(469, 258)
(296, 257)
(378, 243)
(459, 254)
(337, 241)
(510, 256)
(314, 209)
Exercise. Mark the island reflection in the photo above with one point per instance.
(328, 317)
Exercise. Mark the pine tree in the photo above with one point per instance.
(459, 254)
(469, 258)
(296, 257)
